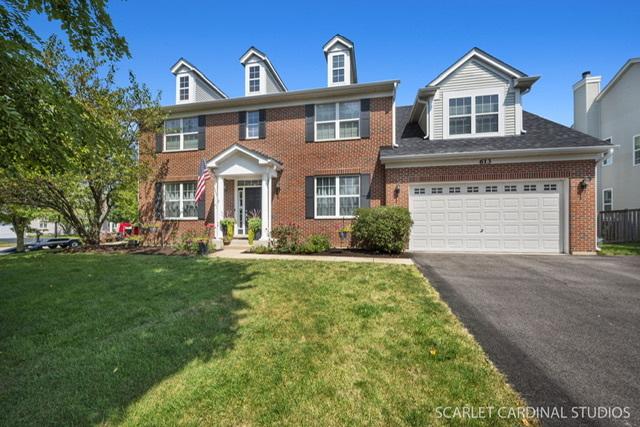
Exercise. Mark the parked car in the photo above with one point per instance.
(58, 242)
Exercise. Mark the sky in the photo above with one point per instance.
(409, 41)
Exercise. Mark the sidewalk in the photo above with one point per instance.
(237, 250)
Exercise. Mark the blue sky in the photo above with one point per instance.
(409, 41)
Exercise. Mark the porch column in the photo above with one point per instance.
(266, 206)
(219, 206)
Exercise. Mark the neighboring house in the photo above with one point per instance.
(613, 114)
(477, 173)
(44, 226)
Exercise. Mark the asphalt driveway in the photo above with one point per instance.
(564, 330)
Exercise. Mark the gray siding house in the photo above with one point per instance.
(613, 114)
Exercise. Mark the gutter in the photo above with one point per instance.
(284, 97)
(496, 153)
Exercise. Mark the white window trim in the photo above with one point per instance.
(609, 156)
(343, 68)
(604, 190)
(181, 134)
(446, 96)
(337, 122)
(164, 202)
(633, 149)
(347, 67)
(334, 196)
(180, 88)
(246, 134)
(191, 88)
(259, 79)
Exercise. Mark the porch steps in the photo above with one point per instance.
(242, 244)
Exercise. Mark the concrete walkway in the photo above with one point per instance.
(238, 250)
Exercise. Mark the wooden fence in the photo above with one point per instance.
(619, 226)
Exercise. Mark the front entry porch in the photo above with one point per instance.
(252, 174)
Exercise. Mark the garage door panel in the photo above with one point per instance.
(454, 203)
(509, 221)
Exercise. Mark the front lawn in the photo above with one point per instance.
(609, 249)
(153, 340)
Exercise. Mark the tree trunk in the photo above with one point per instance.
(19, 225)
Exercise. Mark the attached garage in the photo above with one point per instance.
(506, 216)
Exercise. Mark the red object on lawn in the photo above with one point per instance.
(122, 227)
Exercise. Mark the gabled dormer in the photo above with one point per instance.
(478, 96)
(260, 76)
(341, 61)
(192, 85)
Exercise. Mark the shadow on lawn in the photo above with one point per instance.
(82, 337)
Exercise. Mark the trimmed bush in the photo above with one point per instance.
(382, 229)
(286, 238)
(316, 243)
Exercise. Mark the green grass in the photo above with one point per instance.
(610, 249)
(6, 245)
(152, 340)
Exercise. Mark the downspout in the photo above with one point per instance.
(394, 144)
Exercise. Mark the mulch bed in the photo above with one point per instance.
(347, 252)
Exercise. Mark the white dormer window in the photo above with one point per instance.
(338, 68)
(487, 114)
(184, 88)
(460, 116)
(473, 114)
(254, 78)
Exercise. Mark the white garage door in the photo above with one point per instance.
(487, 216)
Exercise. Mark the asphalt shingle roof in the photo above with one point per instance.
(540, 133)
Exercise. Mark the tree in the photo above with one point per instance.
(19, 217)
(35, 112)
(101, 165)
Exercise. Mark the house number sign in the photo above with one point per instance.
(485, 161)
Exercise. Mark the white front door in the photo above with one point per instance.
(519, 216)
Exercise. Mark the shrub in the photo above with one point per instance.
(189, 242)
(382, 229)
(316, 243)
(286, 238)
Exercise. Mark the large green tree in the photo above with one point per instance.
(102, 167)
(19, 216)
(36, 114)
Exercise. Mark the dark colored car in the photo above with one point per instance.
(58, 242)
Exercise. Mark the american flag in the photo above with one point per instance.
(203, 176)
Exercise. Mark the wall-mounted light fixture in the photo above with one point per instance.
(584, 183)
(396, 191)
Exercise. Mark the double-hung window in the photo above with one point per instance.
(460, 115)
(338, 68)
(253, 124)
(179, 200)
(184, 88)
(474, 115)
(339, 120)
(636, 150)
(607, 199)
(486, 113)
(337, 196)
(181, 134)
(254, 78)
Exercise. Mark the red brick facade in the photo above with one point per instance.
(582, 205)
(285, 142)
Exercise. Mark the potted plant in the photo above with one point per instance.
(344, 231)
(203, 245)
(255, 228)
(228, 225)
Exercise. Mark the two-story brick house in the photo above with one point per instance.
(477, 173)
